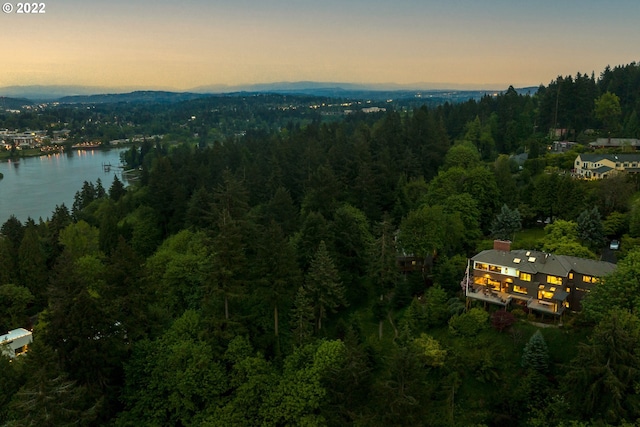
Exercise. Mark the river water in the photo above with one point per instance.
(34, 186)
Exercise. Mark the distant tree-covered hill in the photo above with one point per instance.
(13, 103)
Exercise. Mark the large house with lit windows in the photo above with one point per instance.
(542, 282)
(598, 166)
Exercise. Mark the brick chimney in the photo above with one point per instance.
(502, 245)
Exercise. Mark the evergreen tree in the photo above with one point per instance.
(383, 268)
(352, 241)
(231, 196)
(100, 191)
(277, 270)
(506, 223)
(80, 325)
(229, 261)
(108, 231)
(315, 229)
(283, 211)
(13, 230)
(590, 229)
(15, 300)
(536, 354)
(199, 213)
(323, 285)
(49, 398)
(117, 190)
(601, 382)
(83, 198)
(302, 317)
(9, 270)
(32, 263)
(60, 219)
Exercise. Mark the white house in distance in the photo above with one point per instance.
(598, 166)
(15, 342)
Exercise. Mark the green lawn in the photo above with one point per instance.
(530, 238)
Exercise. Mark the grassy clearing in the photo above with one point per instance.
(530, 238)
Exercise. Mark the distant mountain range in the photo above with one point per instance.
(146, 96)
(15, 96)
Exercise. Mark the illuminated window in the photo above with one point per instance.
(525, 277)
(495, 269)
(519, 289)
(495, 284)
(480, 281)
(480, 266)
(568, 290)
(571, 275)
(554, 280)
(545, 294)
(590, 279)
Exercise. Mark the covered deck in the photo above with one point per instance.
(546, 307)
(485, 294)
(551, 300)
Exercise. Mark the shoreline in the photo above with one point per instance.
(36, 152)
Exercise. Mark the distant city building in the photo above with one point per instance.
(373, 110)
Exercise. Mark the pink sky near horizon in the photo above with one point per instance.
(171, 45)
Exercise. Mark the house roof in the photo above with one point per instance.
(535, 262)
(602, 169)
(12, 335)
(589, 267)
(619, 157)
(615, 142)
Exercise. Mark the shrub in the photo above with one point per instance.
(519, 313)
(501, 320)
(470, 323)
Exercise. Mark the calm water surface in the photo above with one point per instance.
(34, 186)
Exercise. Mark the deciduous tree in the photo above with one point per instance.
(607, 110)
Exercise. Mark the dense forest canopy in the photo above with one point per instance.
(250, 276)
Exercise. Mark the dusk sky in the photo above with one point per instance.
(181, 44)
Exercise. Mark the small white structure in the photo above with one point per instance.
(15, 342)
